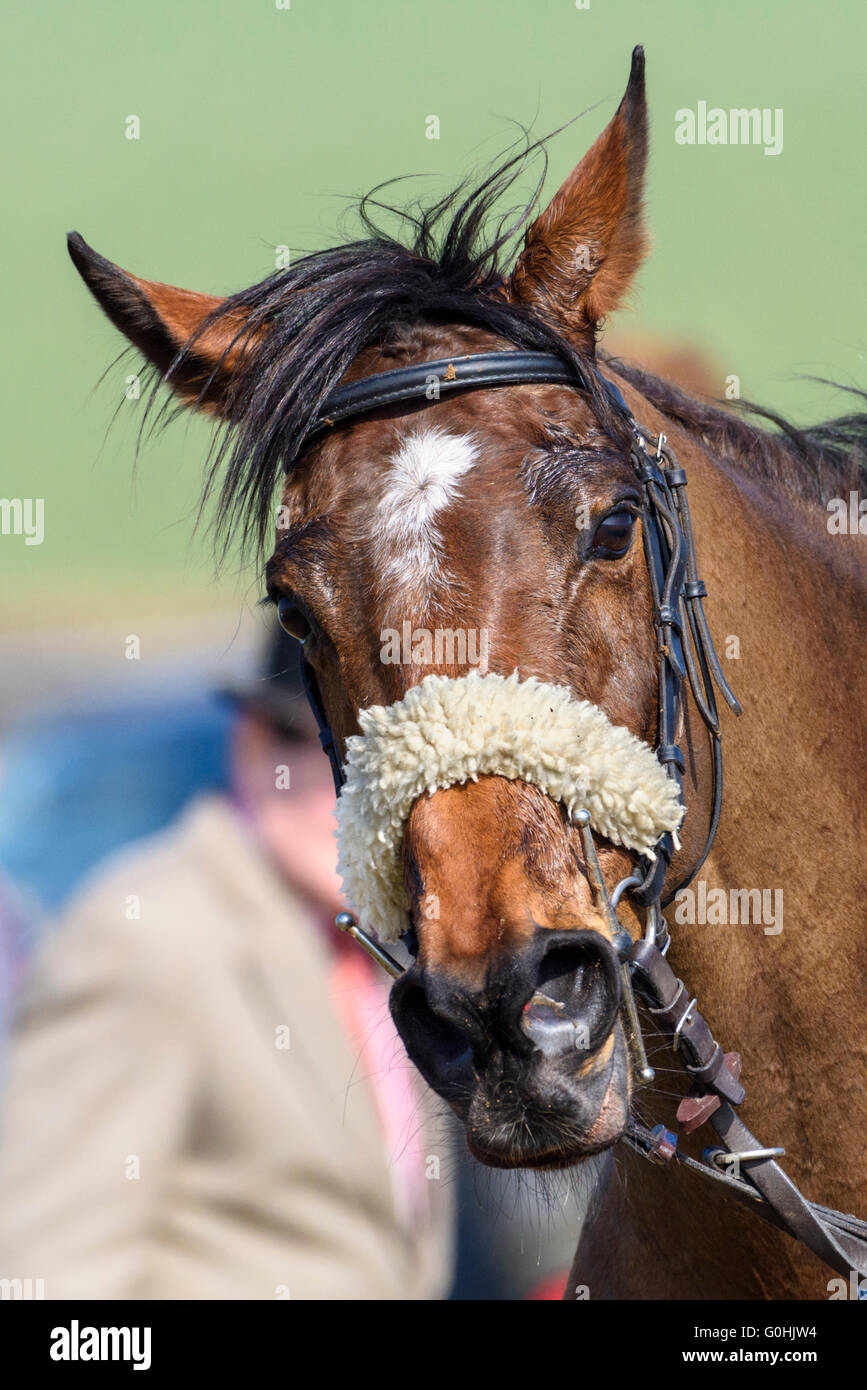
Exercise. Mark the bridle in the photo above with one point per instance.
(676, 590)
(685, 653)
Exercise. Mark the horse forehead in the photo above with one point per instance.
(421, 463)
(423, 476)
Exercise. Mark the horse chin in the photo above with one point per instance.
(552, 1121)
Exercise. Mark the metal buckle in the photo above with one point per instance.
(681, 1021)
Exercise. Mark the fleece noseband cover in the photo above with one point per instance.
(448, 731)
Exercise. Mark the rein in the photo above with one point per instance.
(747, 1171)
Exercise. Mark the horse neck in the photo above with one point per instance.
(790, 1001)
(786, 608)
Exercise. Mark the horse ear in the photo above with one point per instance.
(581, 254)
(160, 320)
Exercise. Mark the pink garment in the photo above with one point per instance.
(361, 1000)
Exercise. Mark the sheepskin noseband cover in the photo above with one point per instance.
(448, 731)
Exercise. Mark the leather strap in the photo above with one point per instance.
(840, 1245)
(326, 736)
(838, 1239)
(669, 1001)
(431, 380)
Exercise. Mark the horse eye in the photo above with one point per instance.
(613, 535)
(292, 620)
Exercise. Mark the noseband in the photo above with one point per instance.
(685, 652)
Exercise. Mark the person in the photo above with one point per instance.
(205, 1096)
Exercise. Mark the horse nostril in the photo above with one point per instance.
(577, 994)
(442, 1033)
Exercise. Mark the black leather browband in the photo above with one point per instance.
(431, 380)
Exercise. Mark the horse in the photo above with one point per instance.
(492, 543)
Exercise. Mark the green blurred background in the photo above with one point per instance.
(255, 121)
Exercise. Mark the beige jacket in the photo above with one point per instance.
(157, 1142)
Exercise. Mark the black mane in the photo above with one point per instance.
(814, 463)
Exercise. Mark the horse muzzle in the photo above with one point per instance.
(530, 1060)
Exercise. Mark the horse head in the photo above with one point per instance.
(464, 537)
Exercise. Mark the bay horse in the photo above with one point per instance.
(510, 510)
